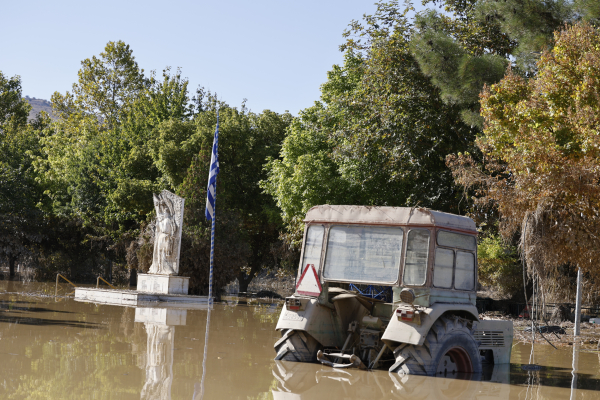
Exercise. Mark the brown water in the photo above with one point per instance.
(62, 349)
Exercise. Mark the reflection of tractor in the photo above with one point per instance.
(296, 381)
(352, 256)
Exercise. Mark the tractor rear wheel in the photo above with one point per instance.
(297, 346)
(449, 348)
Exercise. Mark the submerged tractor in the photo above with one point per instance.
(389, 288)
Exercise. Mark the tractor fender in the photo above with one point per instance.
(315, 319)
(399, 331)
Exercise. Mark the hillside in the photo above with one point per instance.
(37, 106)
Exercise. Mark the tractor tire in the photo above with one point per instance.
(297, 346)
(449, 348)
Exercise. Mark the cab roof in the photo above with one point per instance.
(389, 216)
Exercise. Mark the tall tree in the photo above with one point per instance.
(379, 135)
(247, 222)
(106, 87)
(14, 110)
(471, 44)
(21, 223)
(542, 157)
(246, 141)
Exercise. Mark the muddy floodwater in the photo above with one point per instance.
(57, 348)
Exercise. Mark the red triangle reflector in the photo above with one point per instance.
(309, 284)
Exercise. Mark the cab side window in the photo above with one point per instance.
(443, 268)
(454, 267)
(464, 275)
(312, 247)
(417, 253)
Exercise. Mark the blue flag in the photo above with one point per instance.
(211, 192)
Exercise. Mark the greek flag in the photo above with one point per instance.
(211, 192)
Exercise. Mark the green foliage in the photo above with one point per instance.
(104, 173)
(542, 157)
(121, 136)
(246, 141)
(379, 135)
(471, 45)
(21, 223)
(457, 72)
(106, 88)
(499, 265)
(247, 223)
(13, 109)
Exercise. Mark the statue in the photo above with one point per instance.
(167, 238)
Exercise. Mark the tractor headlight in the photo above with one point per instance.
(407, 296)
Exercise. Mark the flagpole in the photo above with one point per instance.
(212, 252)
(210, 205)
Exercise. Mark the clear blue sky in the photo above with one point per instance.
(274, 53)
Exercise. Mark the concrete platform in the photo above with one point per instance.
(137, 298)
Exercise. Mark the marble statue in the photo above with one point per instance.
(167, 237)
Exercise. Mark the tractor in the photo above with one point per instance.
(389, 288)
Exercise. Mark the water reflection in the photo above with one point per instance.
(305, 381)
(70, 350)
(160, 327)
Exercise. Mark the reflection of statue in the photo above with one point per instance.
(160, 327)
(159, 367)
(167, 240)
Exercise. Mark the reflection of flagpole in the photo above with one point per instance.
(205, 352)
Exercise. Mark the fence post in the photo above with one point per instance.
(578, 305)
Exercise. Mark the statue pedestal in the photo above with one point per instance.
(163, 284)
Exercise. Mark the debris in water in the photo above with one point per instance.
(531, 367)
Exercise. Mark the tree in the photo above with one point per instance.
(104, 156)
(21, 223)
(471, 44)
(379, 135)
(499, 266)
(106, 88)
(247, 223)
(246, 141)
(542, 157)
(102, 160)
(14, 110)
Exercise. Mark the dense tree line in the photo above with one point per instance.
(435, 110)
(78, 192)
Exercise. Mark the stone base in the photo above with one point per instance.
(135, 298)
(163, 284)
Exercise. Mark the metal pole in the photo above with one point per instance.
(214, 158)
(578, 305)
(212, 254)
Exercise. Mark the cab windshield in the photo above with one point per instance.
(360, 253)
